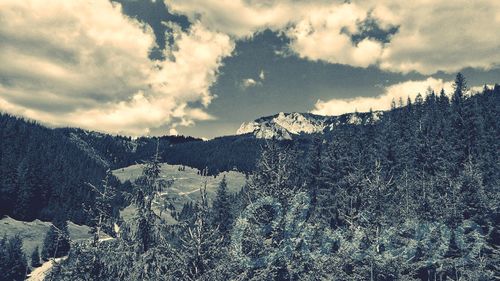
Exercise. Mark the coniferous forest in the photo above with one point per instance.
(412, 196)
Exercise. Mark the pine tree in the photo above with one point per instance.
(276, 175)
(459, 135)
(460, 88)
(148, 189)
(57, 240)
(313, 172)
(472, 192)
(221, 209)
(202, 245)
(29, 187)
(35, 257)
(13, 264)
(3, 254)
(103, 207)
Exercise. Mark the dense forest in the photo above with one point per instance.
(47, 171)
(218, 155)
(413, 196)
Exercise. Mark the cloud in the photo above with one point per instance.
(173, 132)
(441, 35)
(249, 82)
(394, 92)
(83, 63)
(238, 18)
(324, 34)
(479, 89)
(425, 36)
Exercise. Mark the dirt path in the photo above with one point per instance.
(40, 272)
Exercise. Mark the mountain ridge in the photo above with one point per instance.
(286, 125)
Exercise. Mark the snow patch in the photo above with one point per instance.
(283, 126)
(297, 123)
(247, 127)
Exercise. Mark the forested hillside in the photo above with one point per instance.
(219, 154)
(42, 172)
(414, 196)
(46, 171)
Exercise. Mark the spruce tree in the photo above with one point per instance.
(459, 134)
(202, 244)
(57, 240)
(3, 257)
(221, 209)
(29, 187)
(35, 257)
(13, 264)
(460, 88)
(103, 207)
(148, 189)
(472, 192)
(276, 175)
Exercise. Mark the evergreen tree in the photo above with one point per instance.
(3, 254)
(8, 181)
(202, 244)
(103, 208)
(35, 258)
(57, 240)
(221, 209)
(148, 189)
(313, 167)
(29, 188)
(13, 264)
(472, 192)
(460, 88)
(275, 174)
(459, 134)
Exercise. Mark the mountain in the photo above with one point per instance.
(285, 126)
(46, 171)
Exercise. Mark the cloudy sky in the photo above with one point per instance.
(202, 67)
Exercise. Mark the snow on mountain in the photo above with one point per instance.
(247, 127)
(285, 125)
(268, 131)
(297, 123)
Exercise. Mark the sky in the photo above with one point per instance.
(202, 67)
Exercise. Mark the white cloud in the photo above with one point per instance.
(173, 132)
(394, 92)
(442, 35)
(83, 63)
(318, 36)
(249, 82)
(433, 35)
(238, 18)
